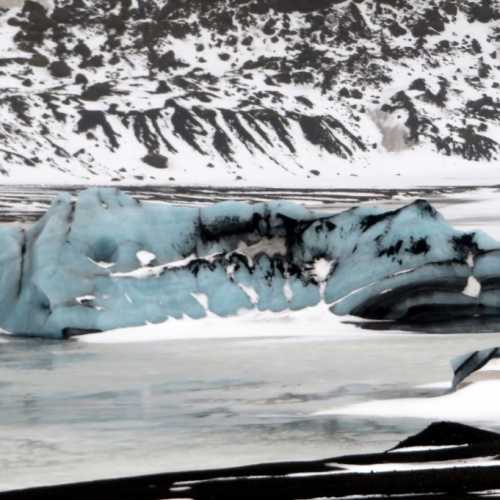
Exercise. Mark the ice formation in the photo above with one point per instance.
(106, 260)
(464, 367)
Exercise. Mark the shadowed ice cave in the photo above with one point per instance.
(106, 260)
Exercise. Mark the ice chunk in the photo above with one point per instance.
(464, 366)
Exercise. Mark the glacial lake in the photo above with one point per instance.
(74, 410)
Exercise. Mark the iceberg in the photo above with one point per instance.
(106, 260)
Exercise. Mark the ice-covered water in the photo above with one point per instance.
(74, 411)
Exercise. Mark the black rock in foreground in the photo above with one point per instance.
(450, 460)
(448, 434)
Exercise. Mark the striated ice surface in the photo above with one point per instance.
(108, 261)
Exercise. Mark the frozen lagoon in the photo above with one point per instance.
(73, 410)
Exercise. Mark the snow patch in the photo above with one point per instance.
(473, 287)
(145, 257)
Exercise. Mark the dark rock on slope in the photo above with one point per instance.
(248, 86)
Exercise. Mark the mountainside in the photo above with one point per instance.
(249, 91)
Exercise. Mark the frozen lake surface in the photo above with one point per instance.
(78, 410)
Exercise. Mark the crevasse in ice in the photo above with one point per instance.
(106, 260)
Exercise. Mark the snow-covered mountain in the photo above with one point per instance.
(269, 92)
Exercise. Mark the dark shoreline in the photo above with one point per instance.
(25, 203)
(329, 478)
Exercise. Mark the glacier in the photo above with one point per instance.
(106, 260)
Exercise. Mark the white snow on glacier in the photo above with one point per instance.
(311, 323)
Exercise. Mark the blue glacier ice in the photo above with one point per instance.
(81, 267)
